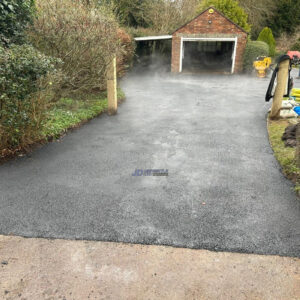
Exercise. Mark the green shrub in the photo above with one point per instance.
(84, 37)
(252, 51)
(15, 15)
(266, 35)
(23, 82)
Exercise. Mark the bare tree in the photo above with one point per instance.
(286, 41)
(85, 38)
(258, 11)
(164, 16)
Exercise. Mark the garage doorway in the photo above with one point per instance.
(153, 56)
(215, 55)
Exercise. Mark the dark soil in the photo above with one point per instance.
(289, 136)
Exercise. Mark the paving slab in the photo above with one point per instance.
(34, 269)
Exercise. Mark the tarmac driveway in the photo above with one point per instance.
(224, 191)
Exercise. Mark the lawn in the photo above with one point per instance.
(65, 114)
(69, 113)
(284, 155)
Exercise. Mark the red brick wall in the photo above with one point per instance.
(201, 27)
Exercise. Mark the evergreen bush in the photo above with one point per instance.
(15, 15)
(23, 81)
(266, 35)
(253, 50)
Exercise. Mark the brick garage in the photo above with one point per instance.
(210, 31)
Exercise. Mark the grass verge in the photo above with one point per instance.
(284, 155)
(70, 113)
(64, 115)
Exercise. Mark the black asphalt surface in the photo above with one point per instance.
(224, 191)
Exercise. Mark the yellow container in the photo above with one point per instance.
(261, 65)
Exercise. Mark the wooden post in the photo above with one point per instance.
(282, 80)
(112, 87)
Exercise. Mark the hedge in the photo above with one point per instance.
(23, 72)
(84, 37)
(252, 51)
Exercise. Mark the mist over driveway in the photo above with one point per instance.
(224, 191)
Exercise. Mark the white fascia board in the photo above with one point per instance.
(233, 39)
(153, 38)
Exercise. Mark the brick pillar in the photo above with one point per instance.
(176, 45)
(241, 45)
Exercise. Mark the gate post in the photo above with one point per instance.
(112, 87)
(282, 80)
